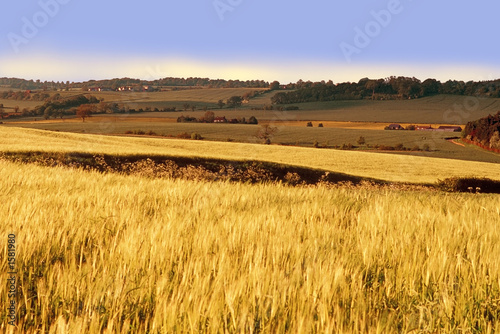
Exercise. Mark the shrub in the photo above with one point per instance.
(469, 184)
(426, 147)
(361, 140)
(309, 124)
(316, 144)
(196, 136)
(253, 120)
(151, 133)
(416, 148)
(140, 132)
(320, 125)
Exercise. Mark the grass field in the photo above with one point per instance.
(104, 253)
(400, 168)
(289, 133)
(112, 253)
(197, 96)
(436, 109)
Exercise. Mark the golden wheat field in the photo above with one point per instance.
(111, 253)
(389, 167)
(129, 254)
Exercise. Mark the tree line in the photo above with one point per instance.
(391, 88)
(114, 84)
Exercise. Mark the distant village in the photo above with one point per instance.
(123, 89)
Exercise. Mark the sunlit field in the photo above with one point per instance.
(112, 253)
(389, 167)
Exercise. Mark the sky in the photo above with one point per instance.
(338, 40)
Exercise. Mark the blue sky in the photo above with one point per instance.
(242, 39)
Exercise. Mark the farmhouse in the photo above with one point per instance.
(395, 127)
(220, 119)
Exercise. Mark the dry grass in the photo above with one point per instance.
(123, 254)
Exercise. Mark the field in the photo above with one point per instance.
(344, 121)
(289, 133)
(104, 252)
(134, 254)
(389, 167)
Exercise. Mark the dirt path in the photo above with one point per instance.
(454, 142)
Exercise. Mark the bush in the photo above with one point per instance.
(361, 140)
(470, 184)
(416, 148)
(309, 124)
(426, 147)
(316, 144)
(252, 120)
(151, 133)
(196, 136)
(399, 147)
(320, 125)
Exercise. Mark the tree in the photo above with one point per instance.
(309, 124)
(221, 104)
(234, 101)
(275, 85)
(266, 132)
(361, 140)
(84, 111)
(372, 85)
(48, 112)
(252, 120)
(209, 116)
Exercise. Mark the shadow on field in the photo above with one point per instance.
(195, 168)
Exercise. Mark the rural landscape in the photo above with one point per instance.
(215, 206)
